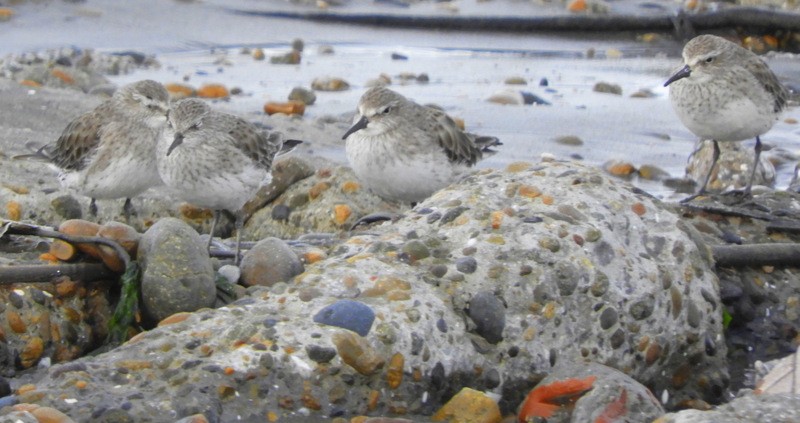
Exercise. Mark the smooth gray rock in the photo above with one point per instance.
(176, 271)
(269, 261)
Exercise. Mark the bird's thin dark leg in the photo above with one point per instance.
(93, 208)
(128, 210)
(213, 227)
(702, 189)
(755, 167)
(239, 224)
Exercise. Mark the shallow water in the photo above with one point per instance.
(190, 38)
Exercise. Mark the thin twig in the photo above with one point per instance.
(18, 228)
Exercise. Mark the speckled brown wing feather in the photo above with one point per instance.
(456, 143)
(259, 145)
(77, 142)
(768, 80)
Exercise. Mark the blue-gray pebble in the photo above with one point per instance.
(347, 314)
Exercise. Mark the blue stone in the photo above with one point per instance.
(347, 314)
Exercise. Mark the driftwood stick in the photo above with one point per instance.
(756, 255)
(17, 228)
(747, 17)
(47, 272)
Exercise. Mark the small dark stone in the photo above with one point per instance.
(193, 344)
(320, 354)
(269, 322)
(64, 61)
(425, 210)
(398, 56)
(451, 214)
(553, 356)
(641, 309)
(281, 212)
(423, 78)
(38, 296)
(466, 265)
(489, 315)
(438, 270)
(525, 269)
(416, 343)
(438, 376)
(492, 379)
(544, 82)
(16, 300)
(608, 317)
(532, 219)
(441, 325)
(347, 314)
(618, 338)
(67, 207)
(513, 351)
(731, 238)
(530, 98)
(694, 315)
(137, 57)
(5, 387)
(433, 217)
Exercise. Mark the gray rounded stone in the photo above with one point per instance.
(489, 315)
(466, 265)
(269, 261)
(176, 271)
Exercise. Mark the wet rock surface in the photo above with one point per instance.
(575, 295)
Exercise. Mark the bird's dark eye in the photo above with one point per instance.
(386, 110)
(710, 59)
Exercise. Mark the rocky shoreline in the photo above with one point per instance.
(505, 280)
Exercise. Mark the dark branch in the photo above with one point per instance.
(756, 255)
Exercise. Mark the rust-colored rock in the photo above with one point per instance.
(394, 372)
(32, 352)
(357, 353)
(179, 91)
(13, 210)
(291, 107)
(469, 406)
(341, 212)
(62, 250)
(213, 91)
(15, 321)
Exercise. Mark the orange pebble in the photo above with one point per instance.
(30, 83)
(340, 213)
(13, 210)
(577, 6)
(179, 91)
(5, 13)
(291, 107)
(63, 76)
(213, 91)
(61, 250)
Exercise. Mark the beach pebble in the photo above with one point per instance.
(67, 207)
(348, 314)
(469, 405)
(176, 271)
(330, 84)
(488, 314)
(607, 87)
(515, 80)
(570, 140)
(303, 95)
(269, 261)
